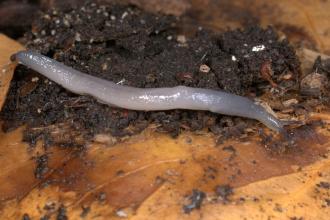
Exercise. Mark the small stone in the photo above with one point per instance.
(169, 37)
(66, 22)
(53, 32)
(112, 17)
(121, 214)
(104, 66)
(314, 84)
(181, 39)
(38, 40)
(204, 68)
(233, 58)
(39, 110)
(77, 37)
(35, 79)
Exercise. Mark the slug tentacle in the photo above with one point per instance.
(148, 99)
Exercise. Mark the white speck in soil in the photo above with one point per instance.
(258, 48)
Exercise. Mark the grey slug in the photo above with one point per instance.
(147, 99)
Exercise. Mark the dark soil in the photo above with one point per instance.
(135, 48)
(14, 21)
(196, 199)
(324, 185)
(41, 166)
(61, 213)
(26, 217)
(224, 191)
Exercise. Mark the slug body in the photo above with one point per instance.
(147, 99)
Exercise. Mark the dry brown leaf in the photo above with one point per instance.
(7, 48)
(150, 175)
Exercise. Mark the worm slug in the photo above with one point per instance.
(146, 99)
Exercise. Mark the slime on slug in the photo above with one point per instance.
(147, 99)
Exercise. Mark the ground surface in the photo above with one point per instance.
(141, 50)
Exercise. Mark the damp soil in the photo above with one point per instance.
(135, 48)
(196, 200)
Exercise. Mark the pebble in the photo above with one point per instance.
(181, 39)
(66, 22)
(35, 79)
(121, 213)
(314, 84)
(104, 66)
(204, 68)
(77, 37)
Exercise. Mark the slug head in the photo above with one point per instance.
(13, 58)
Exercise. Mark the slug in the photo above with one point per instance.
(147, 99)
